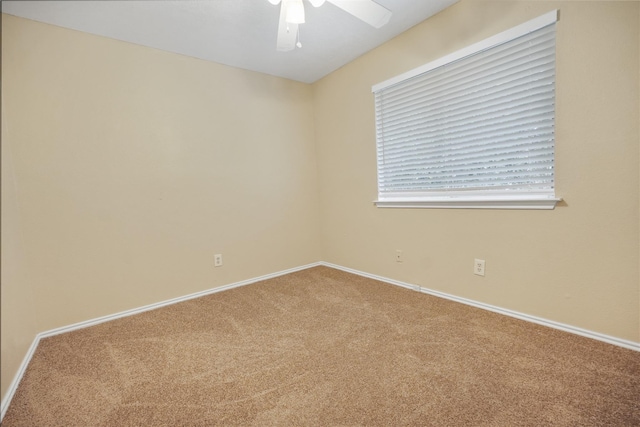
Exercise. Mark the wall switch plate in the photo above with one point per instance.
(217, 260)
(478, 267)
(399, 256)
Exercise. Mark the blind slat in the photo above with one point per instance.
(483, 122)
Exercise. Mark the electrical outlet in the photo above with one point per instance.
(478, 267)
(399, 256)
(217, 260)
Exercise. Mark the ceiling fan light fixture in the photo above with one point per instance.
(292, 15)
(295, 11)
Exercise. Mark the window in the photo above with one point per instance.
(474, 129)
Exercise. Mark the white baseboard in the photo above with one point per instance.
(563, 327)
(25, 362)
(138, 310)
(18, 376)
(631, 345)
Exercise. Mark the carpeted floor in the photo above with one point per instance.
(322, 347)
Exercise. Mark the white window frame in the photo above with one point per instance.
(499, 199)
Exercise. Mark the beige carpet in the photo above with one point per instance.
(325, 348)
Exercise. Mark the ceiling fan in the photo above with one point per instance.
(292, 15)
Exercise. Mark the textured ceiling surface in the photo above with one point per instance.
(239, 33)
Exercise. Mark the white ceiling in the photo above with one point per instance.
(240, 33)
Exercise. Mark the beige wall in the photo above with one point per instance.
(134, 167)
(577, 264)
(17, 316)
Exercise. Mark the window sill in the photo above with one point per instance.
(545, 203)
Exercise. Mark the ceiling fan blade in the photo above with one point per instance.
(366, 10)
(287, 32)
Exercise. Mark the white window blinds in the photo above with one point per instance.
(474, 129)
